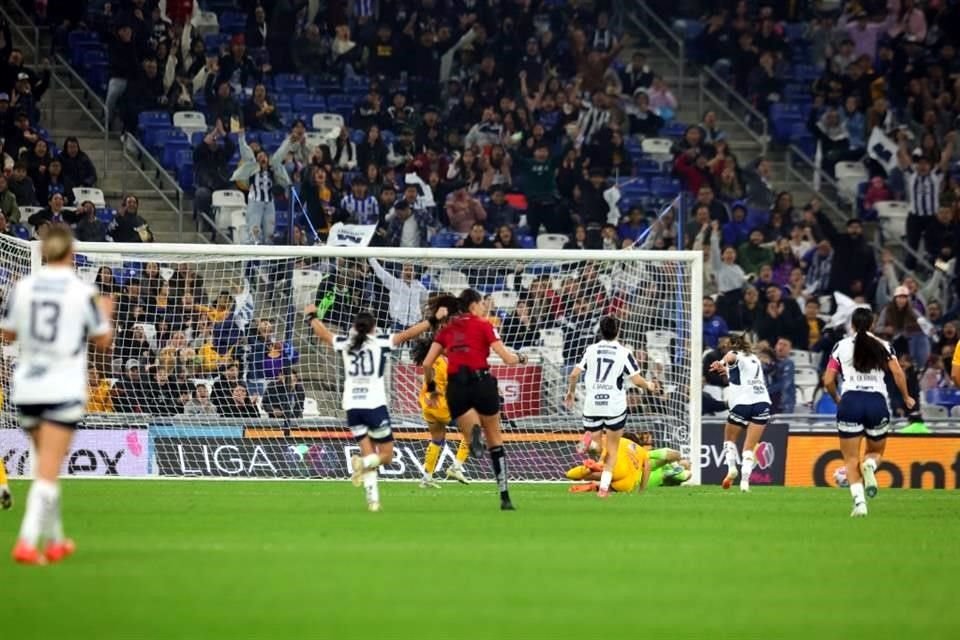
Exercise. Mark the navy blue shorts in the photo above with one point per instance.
(863, 413)
(374, 423)
(745, 414)
(67, 414)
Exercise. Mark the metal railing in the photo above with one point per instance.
(88, 94)
(803, 169)
(19, 29)
(664, 39)
(138, 157)
(714, 88)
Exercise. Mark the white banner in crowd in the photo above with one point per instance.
(882, 149)
(351, 235)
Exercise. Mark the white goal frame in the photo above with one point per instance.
(693, 258)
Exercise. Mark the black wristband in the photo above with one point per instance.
(432, 387)
(309, 318)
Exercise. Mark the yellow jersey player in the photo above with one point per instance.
(660, 467)
(631, 470)
(6, 498)
(437, 418)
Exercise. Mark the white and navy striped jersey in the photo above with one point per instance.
(364, 370)
(261, 186)
(53, 312)
(605, 366)
(841, 360)
(923, 192)
(361, 211)
(591, 121)
(747, 384)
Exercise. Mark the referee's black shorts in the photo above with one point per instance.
(473, 390)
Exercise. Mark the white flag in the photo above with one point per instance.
(882, 149)
(351, 235)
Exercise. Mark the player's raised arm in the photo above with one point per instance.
(319, 329)
(420, 328)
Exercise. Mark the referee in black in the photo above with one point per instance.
(467, 340)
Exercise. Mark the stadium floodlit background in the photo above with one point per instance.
(780, 139)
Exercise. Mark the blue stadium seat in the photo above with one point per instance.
(323, 85)
(171, 153)
(444, 240)
(664, 188)
(388, 136)
(289, 83)
(309, 103)
(272, 139)
(340, 103)
(673, 130)
(76, 38)
(215, 41)
(527, 242)
(185, 176)
(21, 232)
(106, 216)
(647, 166)
(795, 31)
(153, 119)
(357, 136)
(233, 22)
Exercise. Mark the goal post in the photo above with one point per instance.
(214, 372)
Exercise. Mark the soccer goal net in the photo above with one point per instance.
(214, 372)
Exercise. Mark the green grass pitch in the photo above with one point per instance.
(200, 559)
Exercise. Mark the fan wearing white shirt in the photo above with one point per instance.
(407, 294)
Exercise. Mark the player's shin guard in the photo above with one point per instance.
(370, 487)
(371, 461)
(730, 456)
(434, 449)
(499, 462)
(749, 460)
(41, 495)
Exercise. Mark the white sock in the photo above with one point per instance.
(747, 467)
(42, 494)
(370, 486)
(730, 455)
(371, 461)
(53, 529)
(605, 478)
(593, 447)
(872, 463)
(457, 465)
(856, 490)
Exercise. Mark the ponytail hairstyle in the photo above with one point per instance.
(633, 437)
(363, 325)
(741, 344)
(451, 302)
(869, 354)
(467, 298)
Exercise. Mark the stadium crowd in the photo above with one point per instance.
(872, 90)
(500, 124)
(41, 183)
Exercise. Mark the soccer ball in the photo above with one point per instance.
(840, 477)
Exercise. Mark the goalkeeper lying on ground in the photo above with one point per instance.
(637, 467)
